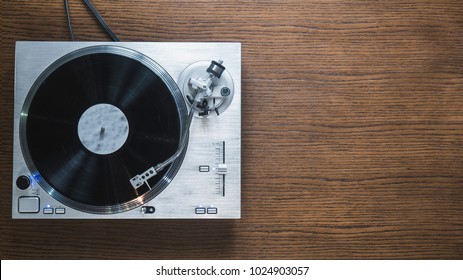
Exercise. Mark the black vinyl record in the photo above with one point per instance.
(73, 174)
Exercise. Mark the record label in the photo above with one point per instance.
(103, 129)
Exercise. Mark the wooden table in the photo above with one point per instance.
(352, 130)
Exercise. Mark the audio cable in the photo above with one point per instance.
(95, 13)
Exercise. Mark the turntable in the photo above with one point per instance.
(127, 130)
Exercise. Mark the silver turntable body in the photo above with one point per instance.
(207, 184)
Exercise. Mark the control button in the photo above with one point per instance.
(23, 182)
(28, 204)
(212, 210)
(147, 209)
(47, 210)
(60, 211)
(204, 168)
(200, 210)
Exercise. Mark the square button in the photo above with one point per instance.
(204, 168)
(29, 204)
(47, 210)
(211, 210)
(60, 210)
(200, 210)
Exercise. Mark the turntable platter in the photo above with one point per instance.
(93, 120)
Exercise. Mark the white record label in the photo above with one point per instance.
(103, 129)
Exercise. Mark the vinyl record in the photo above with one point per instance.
(96, 118)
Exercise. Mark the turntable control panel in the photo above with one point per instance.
(111, 130)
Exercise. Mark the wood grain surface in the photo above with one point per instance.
(352, 130)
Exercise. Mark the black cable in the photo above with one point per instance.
(101, 21)
(66, 7)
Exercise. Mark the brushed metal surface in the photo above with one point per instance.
(189, 189)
